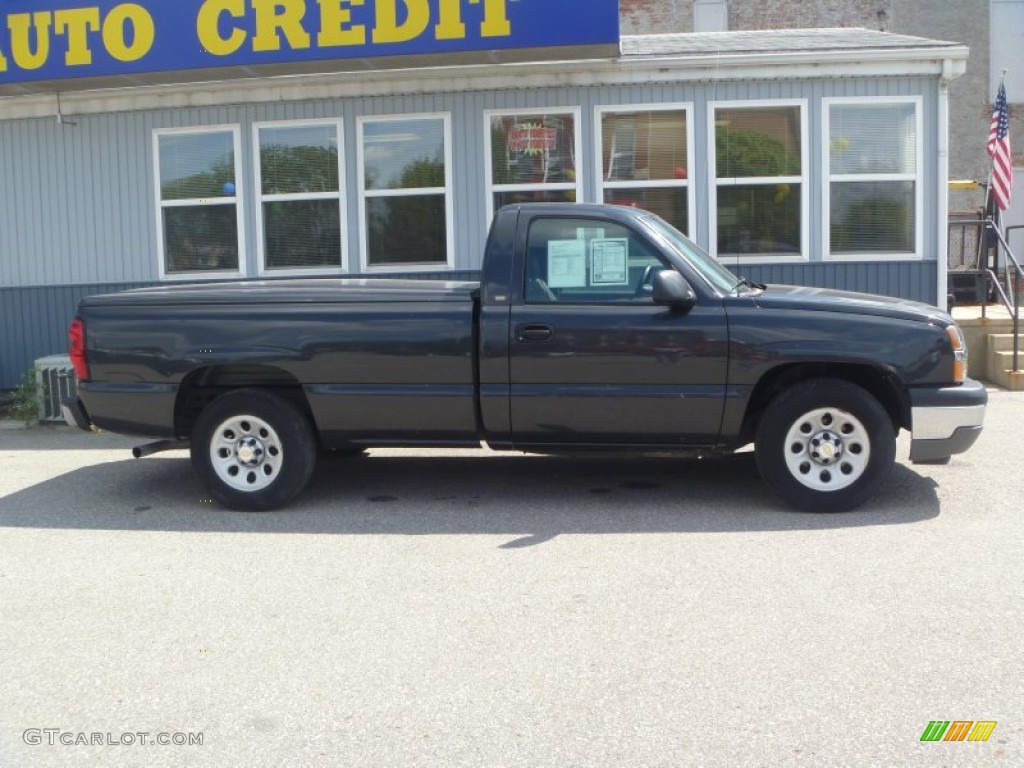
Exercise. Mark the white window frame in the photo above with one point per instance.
(803, 180)
(602, 184)
(829, 177)
(261, 198)
(364, 194)
(239, 202)
(492, 188)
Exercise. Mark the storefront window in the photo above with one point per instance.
(533, 157)
(873, 185)
(199, 216)
(299, 212)
(759, 177)
(645, 162)
(406, 197)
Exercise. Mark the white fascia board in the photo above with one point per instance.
(634, 70)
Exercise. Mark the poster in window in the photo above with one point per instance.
(609, 263)
(567, 264)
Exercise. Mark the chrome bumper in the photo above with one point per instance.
(946, 421)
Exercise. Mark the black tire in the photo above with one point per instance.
(254, 450)
(825, 445)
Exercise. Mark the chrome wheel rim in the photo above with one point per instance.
(827, 449)
(246, 453)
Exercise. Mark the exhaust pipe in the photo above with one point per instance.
(148, 449)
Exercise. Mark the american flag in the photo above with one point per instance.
(998, 147)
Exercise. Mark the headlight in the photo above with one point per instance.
(956, 338)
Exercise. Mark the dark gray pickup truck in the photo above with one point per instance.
(594, 327)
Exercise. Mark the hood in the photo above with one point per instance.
(795, 297)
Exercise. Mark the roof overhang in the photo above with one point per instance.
(643, 60)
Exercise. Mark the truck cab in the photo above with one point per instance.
(578, 349)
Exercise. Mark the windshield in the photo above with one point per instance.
(717, 275)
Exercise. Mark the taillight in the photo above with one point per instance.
(76, 335)
(956, 338)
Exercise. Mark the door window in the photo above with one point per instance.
(586, 261)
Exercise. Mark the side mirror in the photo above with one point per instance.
(670, 288)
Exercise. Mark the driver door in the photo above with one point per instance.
(594, 360)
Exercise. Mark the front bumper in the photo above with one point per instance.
(945, 420)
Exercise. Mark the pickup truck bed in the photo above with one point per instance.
(385, 359)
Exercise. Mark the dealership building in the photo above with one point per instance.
(153, 142)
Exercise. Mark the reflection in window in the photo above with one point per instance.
(406, 230)
(644, 162)
(533, 157)
(873, 177)
(406, 192)
(759, 177)
(198, 218)
(759, 218)
(300, 197)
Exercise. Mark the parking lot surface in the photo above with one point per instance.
(472, 608)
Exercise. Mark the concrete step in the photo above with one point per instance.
(1012, 381)
(1000, 363)
(1003, 342)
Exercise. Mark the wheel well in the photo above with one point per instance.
(882, 384)
(203, 385)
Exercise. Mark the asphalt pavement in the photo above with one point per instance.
(472, 608)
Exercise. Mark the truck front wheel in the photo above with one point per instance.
(825, 445)
(253, 449)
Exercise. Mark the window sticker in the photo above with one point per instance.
(609, 262)
(567, 264)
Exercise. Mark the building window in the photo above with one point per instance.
(646, 160)
(199, 217)
(405, 205)
(299, 211)
(872, 155)
(533, 157)
(760, 184)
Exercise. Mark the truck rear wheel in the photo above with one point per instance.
(253, 449)
(825, 445)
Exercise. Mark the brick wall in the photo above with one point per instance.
(970, 107)
(809, 14)
(641, 17)
(648, 17)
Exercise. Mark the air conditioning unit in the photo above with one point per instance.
(55, 380)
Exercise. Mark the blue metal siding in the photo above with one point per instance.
(73, 205)
(82, 208)
(77, 210)
(913, 280)
(35, 324)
